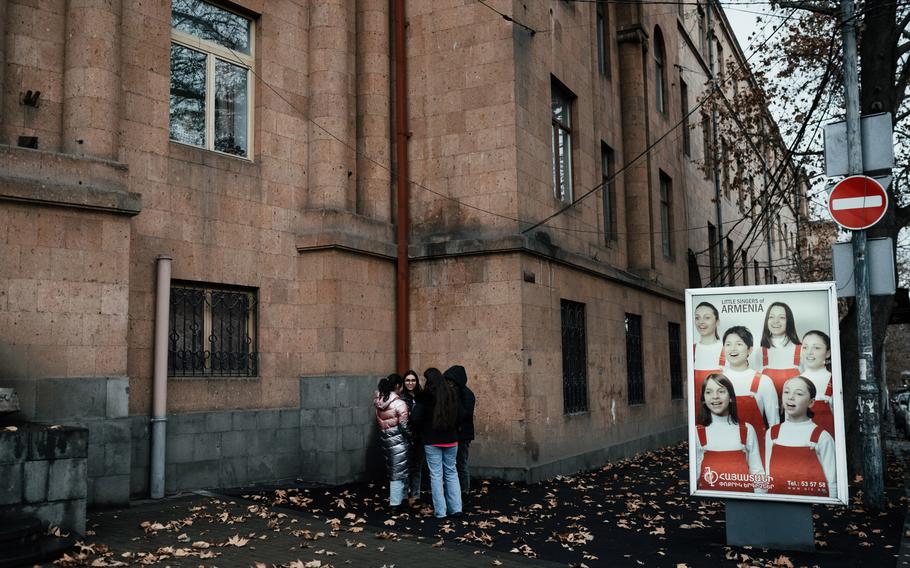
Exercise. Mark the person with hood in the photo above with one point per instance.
(394, 435)
(459, 378)
(437, 414)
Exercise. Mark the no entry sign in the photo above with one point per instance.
(857, 202)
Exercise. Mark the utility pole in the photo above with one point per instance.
(714, 161)
(873, 485)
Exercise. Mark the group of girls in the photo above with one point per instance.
(420, 425)
(764, 421)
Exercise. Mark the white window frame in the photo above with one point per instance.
(213, 50)
(556, 128)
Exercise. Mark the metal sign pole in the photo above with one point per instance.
(868, 388)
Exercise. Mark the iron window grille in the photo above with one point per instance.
(212, 332)
(676, 383)
(634, 367)
(574, 357)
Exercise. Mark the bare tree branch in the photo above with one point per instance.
(816, 7)
(903, 48)
(901, 85)
(902, 25)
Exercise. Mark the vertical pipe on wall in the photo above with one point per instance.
(159, 381)
(91, 79)
(401, 180)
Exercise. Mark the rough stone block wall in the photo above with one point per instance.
(467, 311)
(330, 439)
(339, 439)
(98, 404)
(64, 285)
(43, 474)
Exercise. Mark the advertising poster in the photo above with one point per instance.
(765, 397)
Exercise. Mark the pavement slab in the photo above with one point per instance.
(205, 529)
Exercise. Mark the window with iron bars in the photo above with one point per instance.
(634, 367)
(212, 331)
(574, 357)
(676, 383)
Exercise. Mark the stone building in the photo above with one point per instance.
(558, 207)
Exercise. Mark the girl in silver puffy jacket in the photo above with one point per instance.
(394, 435)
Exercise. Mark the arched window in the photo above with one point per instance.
(660, 71)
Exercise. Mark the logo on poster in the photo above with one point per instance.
(710, 476)
(737, 480)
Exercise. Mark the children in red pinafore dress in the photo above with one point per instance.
(725, 447)
(781, 362)
(800, 455)
(816, 353)
(757, 403)
(708, 359)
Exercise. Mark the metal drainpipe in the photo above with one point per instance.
(402, 336)
(718, 207)
(159, 382)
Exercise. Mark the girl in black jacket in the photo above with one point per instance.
(437, 414)
(410, 394)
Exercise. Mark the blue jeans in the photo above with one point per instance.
(396, 491)
(441, 463)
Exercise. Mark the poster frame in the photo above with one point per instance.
(692, 297)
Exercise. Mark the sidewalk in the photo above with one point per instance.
(210, 530)
(633, 513)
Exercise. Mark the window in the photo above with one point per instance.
(720, 60)
(731, 258)
(211, 62)
(574, 357)
(603, 38)
(608, 165)
(706, 145)
(562, 142)
(702, 33)
(684, 108)
(712, 254)
(660, 72)
(634, 369)
(767, 276)
(745, 268)
(725, 172)
(675, 354)
(212, 332)
(666, 214)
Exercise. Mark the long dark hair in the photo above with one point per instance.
(791, 325)
(705, 415)
(417, 387)
(445, 400)
(389, 384)
(716, 315)
(827, 341)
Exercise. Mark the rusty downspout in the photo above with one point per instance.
(402, 335)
